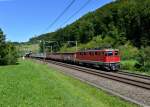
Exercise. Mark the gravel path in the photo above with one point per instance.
(125, 91)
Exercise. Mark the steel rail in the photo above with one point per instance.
(109, 75)
(134, 74)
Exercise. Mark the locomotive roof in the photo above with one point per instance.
(93, 50)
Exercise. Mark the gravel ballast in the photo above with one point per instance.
(128, 92)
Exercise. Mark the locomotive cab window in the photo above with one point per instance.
(116, 53)
(109, 53)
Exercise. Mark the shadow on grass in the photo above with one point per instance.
(17, 63)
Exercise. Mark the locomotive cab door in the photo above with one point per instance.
(109, 56)
(109, 60)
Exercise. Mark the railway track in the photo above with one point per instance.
(138, 80)
(134, 74)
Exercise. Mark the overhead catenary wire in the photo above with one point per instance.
(76, 12)
(61, 14)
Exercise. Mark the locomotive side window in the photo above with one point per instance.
(103, 53)
(82, 53)
(93, 53)
(116, 53)
(89, 53)
(96, 53)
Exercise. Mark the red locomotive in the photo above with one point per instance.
(106, 58)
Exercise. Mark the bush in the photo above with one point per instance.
(128, 65)
(143, 59)
(128, 52)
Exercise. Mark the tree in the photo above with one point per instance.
(128, 51)
(2, 47)
(144, 59)
(86, 32)
(8, 53)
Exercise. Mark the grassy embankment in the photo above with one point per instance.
(33, 85)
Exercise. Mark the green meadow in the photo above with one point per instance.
(30, 84)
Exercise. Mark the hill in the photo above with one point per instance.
(123, 24)
(120, 21)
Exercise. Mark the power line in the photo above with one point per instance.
(83, 6)
(61, 14)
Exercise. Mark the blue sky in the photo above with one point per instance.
(23, 19)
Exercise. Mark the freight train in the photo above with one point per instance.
(108, 59)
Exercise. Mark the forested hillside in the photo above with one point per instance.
(121, 21)
(123, 24)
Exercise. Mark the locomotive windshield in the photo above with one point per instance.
(109, 53)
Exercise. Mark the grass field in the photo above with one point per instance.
(30, 84)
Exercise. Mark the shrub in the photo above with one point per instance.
(128, 65)
(128, 52)
(144, 59)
